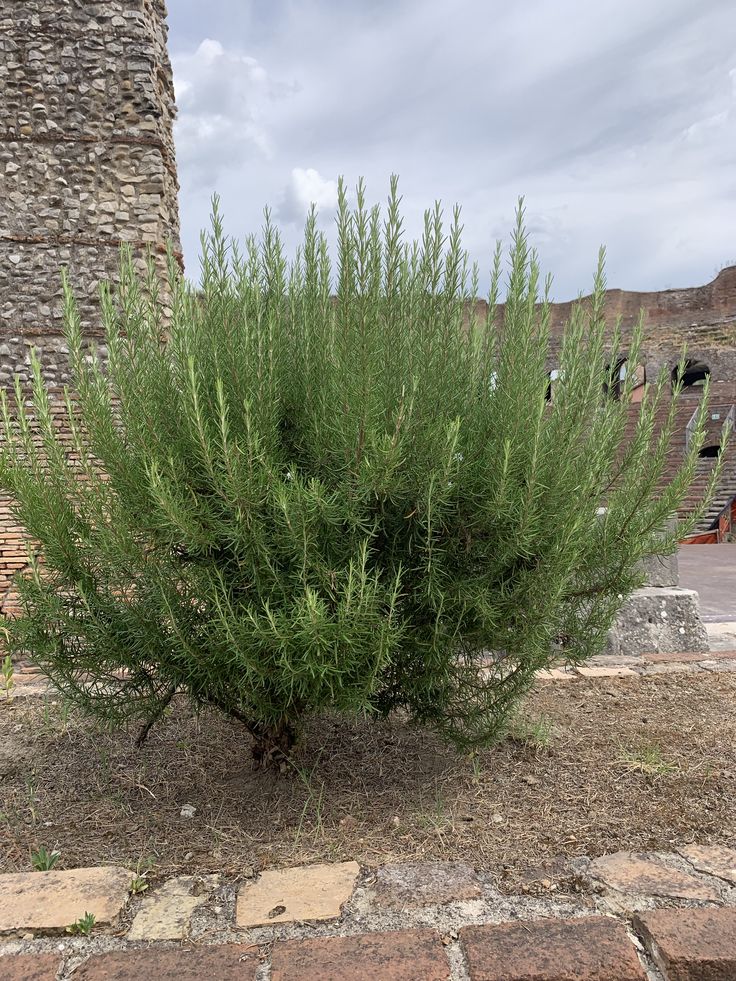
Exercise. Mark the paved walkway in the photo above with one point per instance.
(628, 918)
(711, 571)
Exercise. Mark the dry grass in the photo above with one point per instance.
(593, 766)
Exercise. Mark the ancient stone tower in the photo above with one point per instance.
(86, 162)
(86, 159)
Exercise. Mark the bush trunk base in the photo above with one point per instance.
(272, 746)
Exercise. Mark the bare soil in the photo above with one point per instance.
(593, 766)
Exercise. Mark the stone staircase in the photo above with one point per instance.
(725, 490)
(722, 399)
(721, 407)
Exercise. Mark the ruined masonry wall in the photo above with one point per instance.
(86, 160)
(702, 318)
(86, 163)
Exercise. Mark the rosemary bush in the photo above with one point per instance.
(333, 486)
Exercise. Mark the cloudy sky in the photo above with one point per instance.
(615, 119)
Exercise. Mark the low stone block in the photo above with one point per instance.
(167, 913)
(638, 875)
(594, 948)
(713, 859)
(311, 892)
(233, 962)
(658, 619)
(424, 884)
(606, 661)
(407, 955)
(691, 944)
(41, 901)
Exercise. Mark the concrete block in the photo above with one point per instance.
(660, 570)
(658, 620)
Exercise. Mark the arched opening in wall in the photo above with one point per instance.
(710, 452)
(615, 378)
(694, 374)
(639, 383)
(553, 379)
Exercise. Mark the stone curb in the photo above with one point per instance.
(32, 683)
(682, 944)
(412, 922)
(603, 667)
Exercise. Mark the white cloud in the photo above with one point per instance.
(305, 188)
(615, 121)
(224, 99)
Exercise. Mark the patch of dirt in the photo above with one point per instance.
(596, 766)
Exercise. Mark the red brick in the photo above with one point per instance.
(637, 875)
(232, 962)
(407, 955)
(691, 944)
(27, 968)
(595, 948)
(424, 884)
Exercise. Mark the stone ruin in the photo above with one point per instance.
(87, 163)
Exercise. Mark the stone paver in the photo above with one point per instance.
(310, 892)
(691, 944)
(407, 955)
(554, 674)
(715, 859)
(719, 666)
(231, 962)
(55, 900)
(24, 686)
(638, 875)
(594, 948)
(43, 967)
(634, 661)
(424, 884)
(711, 569)
(673, 667)
(166, 913)
(722, 636)
(657, 658)
(615, 671)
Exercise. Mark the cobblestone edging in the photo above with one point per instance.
(658, 917)
(606, 666)
(29, 681)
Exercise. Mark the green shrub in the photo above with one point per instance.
(304, 501)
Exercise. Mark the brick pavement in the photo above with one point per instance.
(683, 944)
(639, 917)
